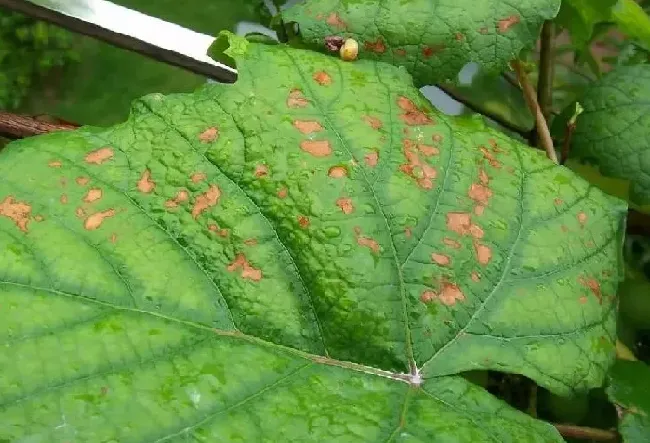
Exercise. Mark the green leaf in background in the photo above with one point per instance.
(433, 39)
(613, 132)
(580, 17)
(632, 20)
(310, 254)
(629, 390)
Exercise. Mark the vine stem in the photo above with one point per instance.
(531, 99)
(545, 80)
(586, 433)
(15, 126)
(479, 109)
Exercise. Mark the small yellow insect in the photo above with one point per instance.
(350, 50)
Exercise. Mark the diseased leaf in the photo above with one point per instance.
(433, 39)
(629, 389)
(310, 254)
(613, 132)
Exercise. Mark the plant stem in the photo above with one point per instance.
(531, 99)
(14, 126)
(479, 109)
(566, 144)
(585, 433)
(623, 352)
(545, 79)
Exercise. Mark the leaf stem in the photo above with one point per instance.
(450, 91)
(623, 352)
(531, 99)
(586, 433)
(545, 79)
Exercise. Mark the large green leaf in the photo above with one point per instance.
(580, 17)
(629, 389)
(310, 254)
(614, 130)
(433, 39)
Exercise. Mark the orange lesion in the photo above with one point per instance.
(412, 115)
(377, 46)
(317, 148)
(307, 126)
(209, 135)
(441, 259)
(94, 221)
(367, 242)
(261, 170)
(82, 181)
(594, 286)
(322, 78)
(146, 184)
(508, 22)
(248, 272)
(346, 205)
(93, 195)
(206, 200)
(181, 197)
(337, 172)
(449, 294)
(423, 173)
(55, 164)
(19, 212)
(335, 21)
(303, 221)
(198, 177)
(221, 232)
(100, 156)
(373, 122)
(296, 99)
(371, 158)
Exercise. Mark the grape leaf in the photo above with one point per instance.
(613, 133)
(310, 254)
(629, 389)
(433, 39)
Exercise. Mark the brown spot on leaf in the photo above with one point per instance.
(247, 271)
(441, 259)
(219, 231)
(322, 78)
(283, 192)
(459, 36)
(250, 242)
(337, 172)
(593, 285)
(583, 300)
(508, 22)
(582, 218)
(307, 126)
(377, 46)
(261, 171)
(449, 294)
(459, 222)
(39, 218)
(181, 196)
(475, 277)
(483, 177)
(371, 158)
(82, 181)
(428, 51)
(198, 177)
(437, 138)
(427, 150)
(63, 181)
(483, 253)
(483, 30)
(366, 241)
(17, 211)
(64, 199)
(209, 135)
(206, 200)
(412, 115)
(93, 195)
(303, 221)
(80, 212)
(297, 99)
(113, 238)
(335, 21)
(345, 204)
(422, 172)
(145, 184)
(479, 209)
(54, 164)
(408, 232)
(558, 201)
(490, 157)
(451, 243)
(373, 122)
(94, 221)
(480, 193)
(400, 52)
(317, 148)
(99, 156)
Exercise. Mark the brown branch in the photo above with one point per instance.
(480, 110)
(545, 79)
(531, 99)
(566, 144)
(14, 126)
(585, 433)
